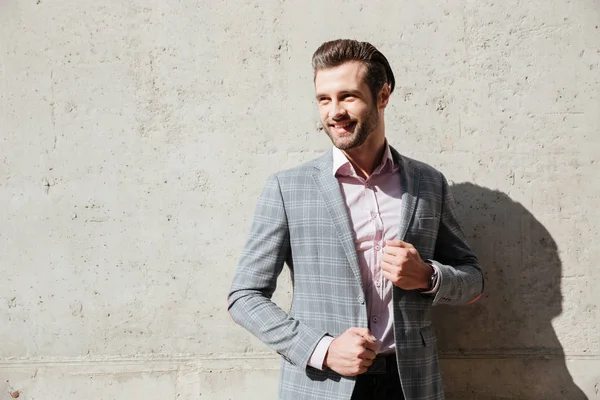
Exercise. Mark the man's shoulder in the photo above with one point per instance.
(424, 169)
(306, 169)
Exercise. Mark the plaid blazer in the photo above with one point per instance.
(301, 221)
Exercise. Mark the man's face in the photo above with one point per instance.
(346, 107)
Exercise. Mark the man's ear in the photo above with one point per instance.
(384, 96)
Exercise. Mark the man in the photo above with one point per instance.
(372, 242)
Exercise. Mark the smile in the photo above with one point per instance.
(343, 124)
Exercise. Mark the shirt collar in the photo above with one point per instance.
(343, 167)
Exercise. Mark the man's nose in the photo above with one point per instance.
(336, 110)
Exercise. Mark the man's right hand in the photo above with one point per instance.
(352, 352)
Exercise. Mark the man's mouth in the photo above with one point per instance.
(343, 126)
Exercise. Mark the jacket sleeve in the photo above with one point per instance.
(461, 277)
(261, 262)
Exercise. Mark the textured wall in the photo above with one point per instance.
(136, 135)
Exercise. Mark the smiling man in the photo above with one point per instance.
(372, 243)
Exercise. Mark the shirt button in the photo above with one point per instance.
(377, 283)
(375, 319)
(361, 299)
(377, 247)
(373, 215)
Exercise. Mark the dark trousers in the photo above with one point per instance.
(380, 382)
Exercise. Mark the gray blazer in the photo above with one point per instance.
(301, 220)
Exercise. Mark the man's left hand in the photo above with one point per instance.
(403, 266)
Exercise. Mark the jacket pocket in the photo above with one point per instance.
(428, 223)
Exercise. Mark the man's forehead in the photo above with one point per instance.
(348, 73)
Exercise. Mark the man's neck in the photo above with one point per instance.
(367, 156)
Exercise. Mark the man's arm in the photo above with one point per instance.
(460, 276)
(255, 281)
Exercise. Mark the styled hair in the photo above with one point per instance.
(337, 52)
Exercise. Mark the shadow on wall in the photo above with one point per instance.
(504, 346)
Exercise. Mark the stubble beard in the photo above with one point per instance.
(362, 131)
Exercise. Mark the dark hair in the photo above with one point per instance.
(337, 52)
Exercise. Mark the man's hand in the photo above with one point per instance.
(403, 266)
(352, 352)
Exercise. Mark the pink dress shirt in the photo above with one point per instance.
(373, 205)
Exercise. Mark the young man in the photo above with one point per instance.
(372, 242)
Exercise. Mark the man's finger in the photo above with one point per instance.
(397, 251)
(395, 279)
(385, 266)
(367, 354)
(389, 268)
(387, 275)
(362, 370)
(399, 243)
(366, 362)
(388, 258)
(372, 347)
(365, 333)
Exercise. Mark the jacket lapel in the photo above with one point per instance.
(409, 182)
(330, 190)
(332, 195)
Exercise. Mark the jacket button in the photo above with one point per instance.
(361, 299)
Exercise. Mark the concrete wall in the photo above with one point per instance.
(136, 135)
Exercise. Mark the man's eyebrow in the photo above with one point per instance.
(344, 91)
(351, 91)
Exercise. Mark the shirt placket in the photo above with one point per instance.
(375, 268)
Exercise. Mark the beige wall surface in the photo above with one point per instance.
(135, 137)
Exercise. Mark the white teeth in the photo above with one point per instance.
(341, 125)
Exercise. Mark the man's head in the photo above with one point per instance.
(353, 82)
(337, 52)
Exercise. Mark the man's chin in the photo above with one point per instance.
(344, 144)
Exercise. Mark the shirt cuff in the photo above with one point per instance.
(318, 356)
(436, 283)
